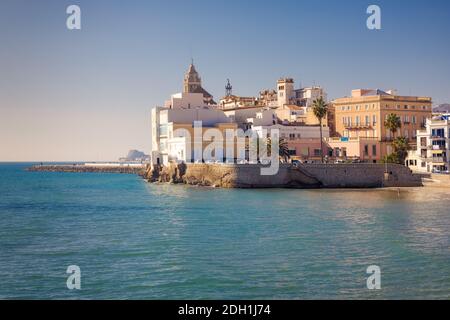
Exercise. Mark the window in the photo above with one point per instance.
(440, 143)
(317, 152)
(374, 150)
(406, 120)
(292, 152)
(163, 130)
(374, 119)
(162, 146)
(439, 133)
(367, 120)
(413, 119)
(366, 150)
(423, 142)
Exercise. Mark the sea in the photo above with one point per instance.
(131, 239)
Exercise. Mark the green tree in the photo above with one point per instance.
(283, 149)
(393, 123)
(320, 110)
(401, 147)
(399, 153)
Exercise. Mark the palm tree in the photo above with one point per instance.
(283, 149)
(320, 110)
(393, 123)
(401, 147)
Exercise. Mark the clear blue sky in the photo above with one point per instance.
(86, 95)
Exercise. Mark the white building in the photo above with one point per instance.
(170, 124)
(306, 96)
(293, 132)
(246, 117)
(286, 93)
(185, 100)
(433, 147)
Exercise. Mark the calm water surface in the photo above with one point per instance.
(133, 240)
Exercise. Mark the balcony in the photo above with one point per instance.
(357, 126)
(439, 160)
(436, 147)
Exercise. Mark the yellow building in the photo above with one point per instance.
(362, 116)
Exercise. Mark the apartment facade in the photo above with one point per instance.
(362, 116)
(433, 147)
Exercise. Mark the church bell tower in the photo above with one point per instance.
(192, 81)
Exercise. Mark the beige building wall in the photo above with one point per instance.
(363, 115)
(303, 115)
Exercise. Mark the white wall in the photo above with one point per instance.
(186, 101)
(305, 132)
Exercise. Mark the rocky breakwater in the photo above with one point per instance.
(231, 176)
(89, 169)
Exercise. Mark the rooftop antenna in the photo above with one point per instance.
(228, 88)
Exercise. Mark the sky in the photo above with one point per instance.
(86, 95)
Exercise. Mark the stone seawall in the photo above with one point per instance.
(302, 176)
(89, 169)
(363, 175)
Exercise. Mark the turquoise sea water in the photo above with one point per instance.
(133, 240)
